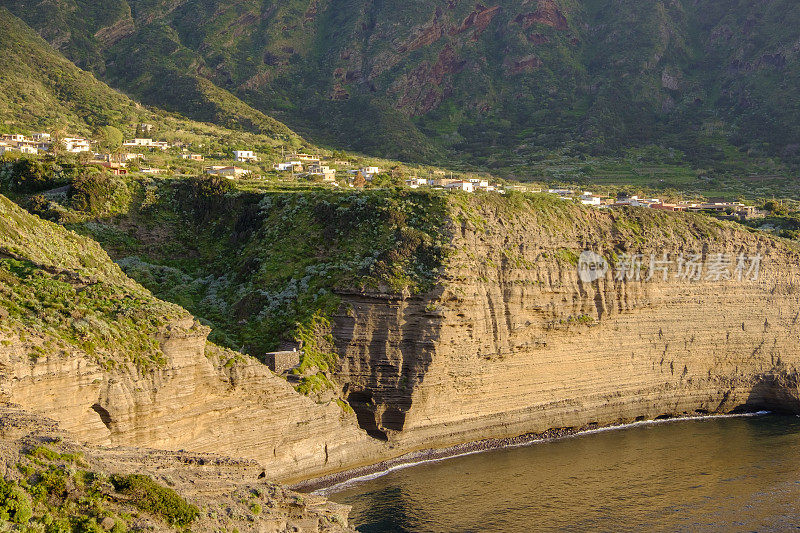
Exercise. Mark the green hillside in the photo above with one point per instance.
(40, 90)
(499, 85)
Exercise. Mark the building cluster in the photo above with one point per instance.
(41, 142)
(313, 166)
(734, 209)
(450, 184)
(308, 165)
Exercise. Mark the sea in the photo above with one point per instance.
(733, 473)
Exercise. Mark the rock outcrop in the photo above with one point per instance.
(174, 392)
(229, 494)
(205, 399)
(509, 341)
(516, 343)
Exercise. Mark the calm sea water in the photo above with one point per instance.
(729, 474)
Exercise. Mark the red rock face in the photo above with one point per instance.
(426, 87)
(538, 38)
(526, 64)
(429, 35)
(480, 18)
(547, 13)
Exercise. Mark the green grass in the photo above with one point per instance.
(64, 290)
(155, 499)
(55, 491)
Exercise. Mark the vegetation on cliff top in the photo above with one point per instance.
(58, 492)
(60, 291)
(264, 268)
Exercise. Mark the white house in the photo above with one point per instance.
(288, 166)
(41, 137)
(245, 156)
(588, 198)
(227, 172)
(416, 183)
(14, 138)
(76, 145)
(465, 186)
(28, 149)
(146, 143)
(369, 172)
(481, 184)
(327, 173)
(138, 142)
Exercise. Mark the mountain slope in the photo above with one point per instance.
(495, 84)
(42, 90)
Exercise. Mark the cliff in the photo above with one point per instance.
(439, 318)
(86, 346)
(513, 342)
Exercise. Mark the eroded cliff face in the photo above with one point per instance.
(516, 343)
(509, 341)
(204, 399)
(89, 348)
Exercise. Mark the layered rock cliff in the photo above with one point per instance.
(513, 342)
(68, 486)
(505, 340)
(68, 351)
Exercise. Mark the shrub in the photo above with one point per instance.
(210, 187)
(15, 504)
(152, 498)
(96, 193)
(29, 175)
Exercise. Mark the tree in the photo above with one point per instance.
(110, 139)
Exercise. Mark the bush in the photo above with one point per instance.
(152, 498)
(29, 175)
(96, 193)
(15, 504)
(210, 187)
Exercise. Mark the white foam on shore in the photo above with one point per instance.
(338, 487)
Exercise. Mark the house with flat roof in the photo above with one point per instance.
(227, 172)
(327, 173)
(460, 185)
(76, 145)
(245, 156)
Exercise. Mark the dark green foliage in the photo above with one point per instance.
(155, 499)
(95, 192)
(31, 175)
(15, 504)
(209, 190)
(713, 80)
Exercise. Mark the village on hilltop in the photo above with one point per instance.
(132, 156)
